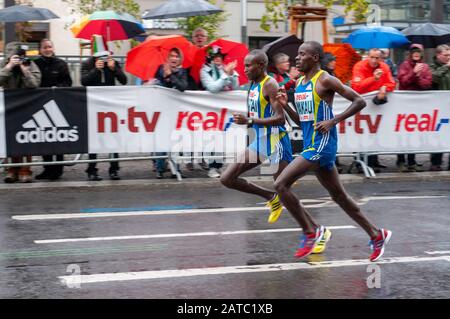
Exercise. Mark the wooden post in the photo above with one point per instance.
(299, 14)
(324, 31)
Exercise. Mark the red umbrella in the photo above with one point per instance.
(233, 50)
(346, 58)
(144, 60)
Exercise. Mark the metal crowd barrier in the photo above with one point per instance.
(359, 159)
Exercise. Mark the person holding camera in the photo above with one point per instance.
(102, 70)
(55, 73)
(19, 72)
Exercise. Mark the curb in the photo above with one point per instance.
(308, 179)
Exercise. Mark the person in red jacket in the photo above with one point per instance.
(369, 75)
(413, 75)
(372, 74)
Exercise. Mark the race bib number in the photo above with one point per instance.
(253, 102)
(304, 102)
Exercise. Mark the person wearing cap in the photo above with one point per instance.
(413, 75)
(102, 70)
(215, 77)
(19, 73)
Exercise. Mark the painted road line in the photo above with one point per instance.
(438, 252)
(199, 211)
(82, 251)
(146, 213)
(142, 213)
(157, 236)
(134, 209)
(177, 273)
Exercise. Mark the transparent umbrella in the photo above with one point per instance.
(22, 13)
(181, 9)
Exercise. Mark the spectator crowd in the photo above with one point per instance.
(376, 73)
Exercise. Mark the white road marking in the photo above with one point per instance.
(200, 211)
(221, 233)
(177, 273)
(438, 252)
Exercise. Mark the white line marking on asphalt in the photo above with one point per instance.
(221, 233)
(438, 252)
(176, 273)
(196, 211)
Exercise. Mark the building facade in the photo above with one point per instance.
(66, 44)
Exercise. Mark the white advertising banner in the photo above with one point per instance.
(2, 126)
(144, 119)
(410, 121)
(155, 119)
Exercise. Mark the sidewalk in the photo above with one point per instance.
(140, 173)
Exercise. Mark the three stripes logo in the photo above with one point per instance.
(47, 126)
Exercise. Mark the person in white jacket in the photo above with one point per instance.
(217, 77)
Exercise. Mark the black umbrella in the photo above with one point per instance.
(20, 13)
(430, 35)
(181, 9)
(288, 45)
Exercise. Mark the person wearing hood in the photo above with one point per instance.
(170, 75)
(55, 73)
(18, 72)
(440, 69)
(413, 75)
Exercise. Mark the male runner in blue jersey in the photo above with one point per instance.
(314, 96)
(270, 140)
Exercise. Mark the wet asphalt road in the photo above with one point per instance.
(227, 265)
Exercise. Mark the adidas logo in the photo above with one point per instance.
(47, 126)
(309, 87)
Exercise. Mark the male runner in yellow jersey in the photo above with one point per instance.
(314, 96)
(270, 140)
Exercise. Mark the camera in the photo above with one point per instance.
(22, 57)
(25, 61)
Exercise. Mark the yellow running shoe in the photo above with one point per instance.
(275, 209)
(322, 244)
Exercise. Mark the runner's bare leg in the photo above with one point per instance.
(231, 177)
(297, 169)
(330, 180)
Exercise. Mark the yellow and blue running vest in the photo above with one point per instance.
(317, 147)
(270, 142)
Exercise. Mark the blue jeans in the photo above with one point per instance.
(160, 163)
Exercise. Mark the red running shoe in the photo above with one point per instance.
(378, 244)
(308, 242)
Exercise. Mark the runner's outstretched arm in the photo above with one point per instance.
(332, 84)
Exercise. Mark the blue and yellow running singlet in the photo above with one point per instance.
(270, 142)
(317, 147)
